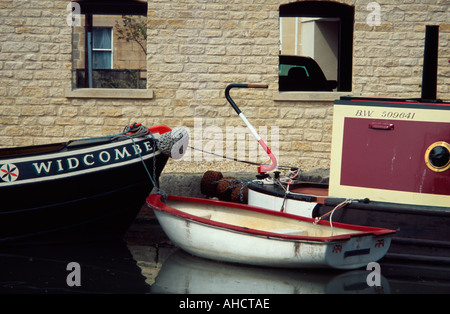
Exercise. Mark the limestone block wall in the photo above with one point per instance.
(195, 48)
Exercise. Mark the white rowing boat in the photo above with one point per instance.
(240, 233)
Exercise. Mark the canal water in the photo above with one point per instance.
(146, 262)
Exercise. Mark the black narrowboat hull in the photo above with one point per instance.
(422, 233)
(83, 193)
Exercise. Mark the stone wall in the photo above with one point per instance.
(195, 48)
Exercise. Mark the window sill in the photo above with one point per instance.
(121, 93)
(309, 96)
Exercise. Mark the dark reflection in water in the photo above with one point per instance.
(183, 273)
(157, 267)
(186, 274)
(104, 268)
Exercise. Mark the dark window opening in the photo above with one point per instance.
(316, 46)
(109, 48)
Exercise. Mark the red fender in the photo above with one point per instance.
(161, 129)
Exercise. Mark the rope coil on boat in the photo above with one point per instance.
(135, 130)
(174, 143)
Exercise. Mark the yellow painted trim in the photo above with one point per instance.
(390, 196)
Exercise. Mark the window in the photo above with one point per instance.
(316, 46)
(102, 48)
(109, 47)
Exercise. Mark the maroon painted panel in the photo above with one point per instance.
(390, 155)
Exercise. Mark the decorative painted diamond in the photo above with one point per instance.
(9, 172)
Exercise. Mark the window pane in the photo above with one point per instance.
(101, 38)
(101, 59)
(284, 69)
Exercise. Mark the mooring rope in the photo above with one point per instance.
(137, 129)
(331, 212)
(133, 131)
(338, 206)
(286, 191)
(142, 133)
(235, 159)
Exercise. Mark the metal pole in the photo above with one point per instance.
(430, 63)
(88, 51)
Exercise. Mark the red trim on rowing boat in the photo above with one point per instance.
(155, 201)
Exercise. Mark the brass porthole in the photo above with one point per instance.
(437, 156)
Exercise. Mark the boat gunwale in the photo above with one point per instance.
(43, 151)
(61, 153)
(379, 206)
(155, 202)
